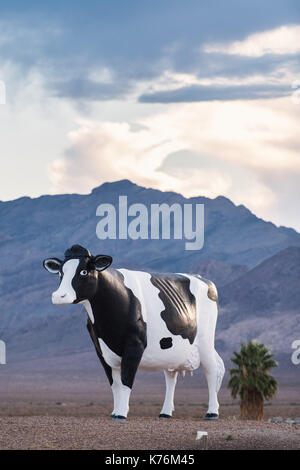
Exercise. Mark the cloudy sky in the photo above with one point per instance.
(201, 97)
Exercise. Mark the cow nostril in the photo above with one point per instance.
(58, 295)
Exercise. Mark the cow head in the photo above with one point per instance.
(78, 273)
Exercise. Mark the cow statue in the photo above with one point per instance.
(141, 320)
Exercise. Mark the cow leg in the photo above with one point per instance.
(168, 406)
(121, 394)
(212, 365)
(95, 340)
(123, 378)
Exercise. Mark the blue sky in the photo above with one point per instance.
(199, 97)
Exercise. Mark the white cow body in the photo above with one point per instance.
(183, 356)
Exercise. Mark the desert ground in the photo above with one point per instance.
(75, 428)
(63, 406)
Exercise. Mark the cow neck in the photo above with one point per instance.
(104, 302)
(111, 312)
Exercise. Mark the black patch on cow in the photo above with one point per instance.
(119, 322)
(180, 304)
(166, 343)
(76, 251)
(212, 292)
(94, 338)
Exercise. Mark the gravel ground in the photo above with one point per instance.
(45, 413)
(85, 432)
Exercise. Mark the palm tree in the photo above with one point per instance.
(251, 379)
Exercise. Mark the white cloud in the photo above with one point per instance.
(282, 40)
(250, 140)
(169, 80)
(108, 151)
(33, 130)
(248, 133)
(254, 145)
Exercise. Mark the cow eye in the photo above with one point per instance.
(83, 272)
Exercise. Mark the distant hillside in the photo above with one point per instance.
(241, 254)
(263, 304)
(221, 273)
(271, 286)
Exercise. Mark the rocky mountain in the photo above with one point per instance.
(254, 264)
(221, 273)
(272, 286)
(263, 304)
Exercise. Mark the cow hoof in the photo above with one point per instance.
(163, 415)
(211, 416)
(119, 418)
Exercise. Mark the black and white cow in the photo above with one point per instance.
(141, 320)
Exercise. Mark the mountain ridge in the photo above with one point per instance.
(236, 243)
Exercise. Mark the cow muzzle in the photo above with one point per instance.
(62, 298)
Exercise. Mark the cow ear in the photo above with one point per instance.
(52, 265)
(101, 262)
